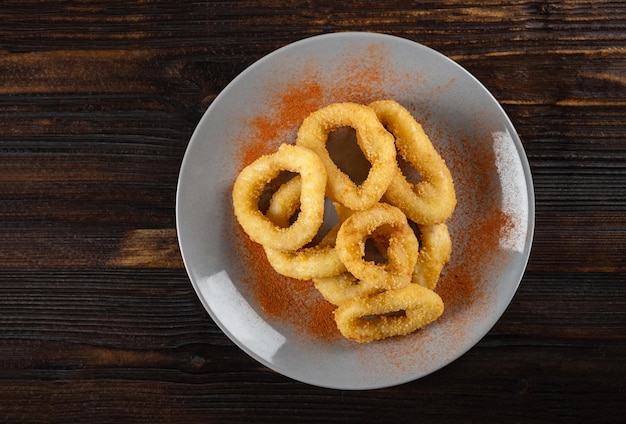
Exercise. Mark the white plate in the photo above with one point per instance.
(491, 227)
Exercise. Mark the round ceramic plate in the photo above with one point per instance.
(285, 324)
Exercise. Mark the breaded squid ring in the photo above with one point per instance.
(432, 200)
(339, 288)
(343, 287)
(402, 247)
(434, 254)
(375, 142)
(435, 248)
(285, 202)
(390, 313)
(305, 263)
(250, 184)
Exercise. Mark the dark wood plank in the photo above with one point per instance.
(98, 320)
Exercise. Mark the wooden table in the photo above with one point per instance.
(98, 319)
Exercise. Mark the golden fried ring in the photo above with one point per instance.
(432, 199)
(390, 313)
(306, 263)
(374, 141)
(342, 212)
(401, 252)
(434, 254)
(249, 186)
(285, 202)
(340, 288)
(435, 248)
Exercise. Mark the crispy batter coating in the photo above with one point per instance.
(432, 199)
(250, 184)
(375, 143)
(375, 299)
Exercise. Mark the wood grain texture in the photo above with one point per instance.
(98, 320)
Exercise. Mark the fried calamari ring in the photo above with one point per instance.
(305, 263)
(434, 254)
(341, 288)
(285, 202)
(435, 248)
(390, 313)
(432, 199)
(342, 212)
(374, 141)
(401, 252)
(250, 184)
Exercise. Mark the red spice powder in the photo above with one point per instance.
(283, 298)
(478, 222)
(363, 78)
(298, 302)
(295, 101)
(457, 286)
(293, 106)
